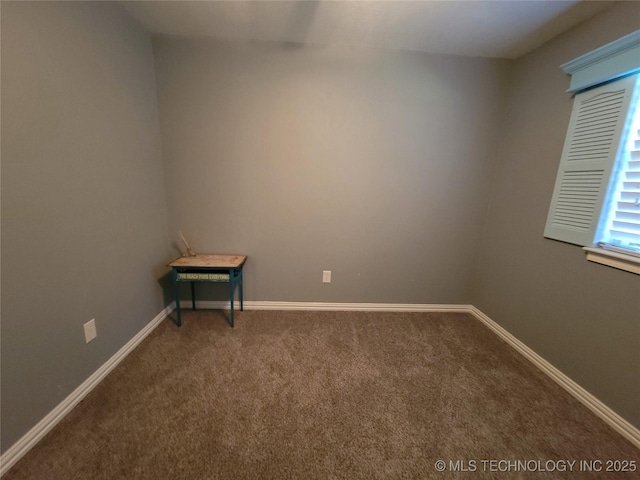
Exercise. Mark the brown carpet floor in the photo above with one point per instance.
(324, 395)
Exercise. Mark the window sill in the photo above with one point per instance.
(621, 261)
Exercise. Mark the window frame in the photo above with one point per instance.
(609, 64)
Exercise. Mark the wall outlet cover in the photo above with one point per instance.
(90, 331)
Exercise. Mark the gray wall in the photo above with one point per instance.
(84, 229)
(373, 164)
(582, 317)
(368, 163)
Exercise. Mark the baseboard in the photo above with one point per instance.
(337, 307)
(22, 446)
(614, 420)
(33, 436)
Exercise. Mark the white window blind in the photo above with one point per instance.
(588, 158)
(621, 222)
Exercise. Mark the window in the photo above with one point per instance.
(619, 226)
(596, 200)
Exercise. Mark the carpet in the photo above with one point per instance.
(326, 395)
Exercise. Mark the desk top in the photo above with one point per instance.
(212, 261)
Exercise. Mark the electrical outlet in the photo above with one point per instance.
(326, 276)
(90, 331)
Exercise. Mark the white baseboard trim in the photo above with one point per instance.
(614, 420)
(337, 307)
(44, 426)
(22, 446)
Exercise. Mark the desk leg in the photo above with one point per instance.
(193, 295)
(241, 277)
(176, 296)
(232, 284)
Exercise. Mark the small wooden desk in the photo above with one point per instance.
(208, 268)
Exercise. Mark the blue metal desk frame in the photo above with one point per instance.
(208, 268)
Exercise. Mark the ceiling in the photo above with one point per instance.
(478, 28)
